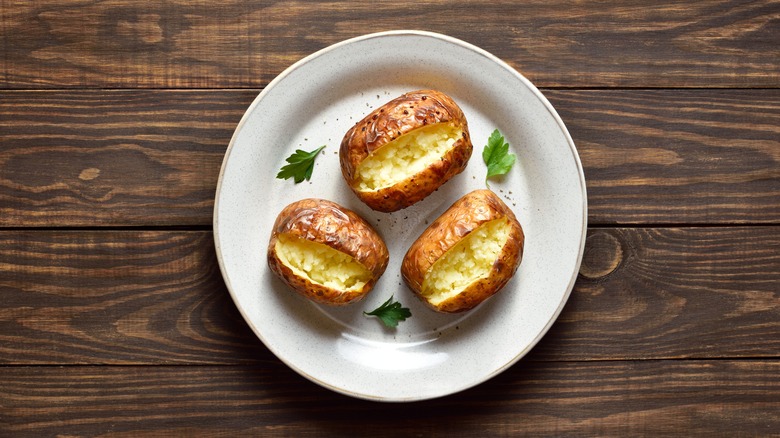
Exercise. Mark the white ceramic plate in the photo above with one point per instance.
(313, 103)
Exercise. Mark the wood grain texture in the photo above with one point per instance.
(113, 158)
(152, 157)
(677, 156)
(673, 293)
(117, 297)
(179, 44)
(129, 297)
(646, 398)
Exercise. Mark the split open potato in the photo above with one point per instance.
(326, 252)
(406, 149)
(466, 255)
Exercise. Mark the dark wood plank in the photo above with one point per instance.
(673, 293)
(152, 157)
(130, 44)
(129, 297)
(676, 156)
(117, 297)
(113, 158)
(646, 398)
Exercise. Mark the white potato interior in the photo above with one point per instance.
(321, 264)
(468, 261)
(405, 156)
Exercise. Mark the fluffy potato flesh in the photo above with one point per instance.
(468, 261)
(321, 264)
(405, 156)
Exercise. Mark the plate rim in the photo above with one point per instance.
(482, 52)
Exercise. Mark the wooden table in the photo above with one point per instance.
(115, 320)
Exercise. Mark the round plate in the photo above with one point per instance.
(313, 103)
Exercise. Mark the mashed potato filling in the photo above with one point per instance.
(468, 261)
(321, 264)
(405, 156)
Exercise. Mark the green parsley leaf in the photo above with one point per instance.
(390, 313)
(496, 155)
(301, 165)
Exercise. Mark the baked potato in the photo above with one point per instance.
(326, 252)
(466, 255)
(406, 149)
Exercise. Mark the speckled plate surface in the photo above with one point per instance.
(313, 103)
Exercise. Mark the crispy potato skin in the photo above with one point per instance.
(463, 217)
(328, 223)
(395, 118)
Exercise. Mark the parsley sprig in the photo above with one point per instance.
(390, 313)
(300, 165)
(497, 157)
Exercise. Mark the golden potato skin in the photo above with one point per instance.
(326, 222)
(401, 115)
(463, 217)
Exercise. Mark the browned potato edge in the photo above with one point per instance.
(331, 224)
(397, 117)
(459, 220)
